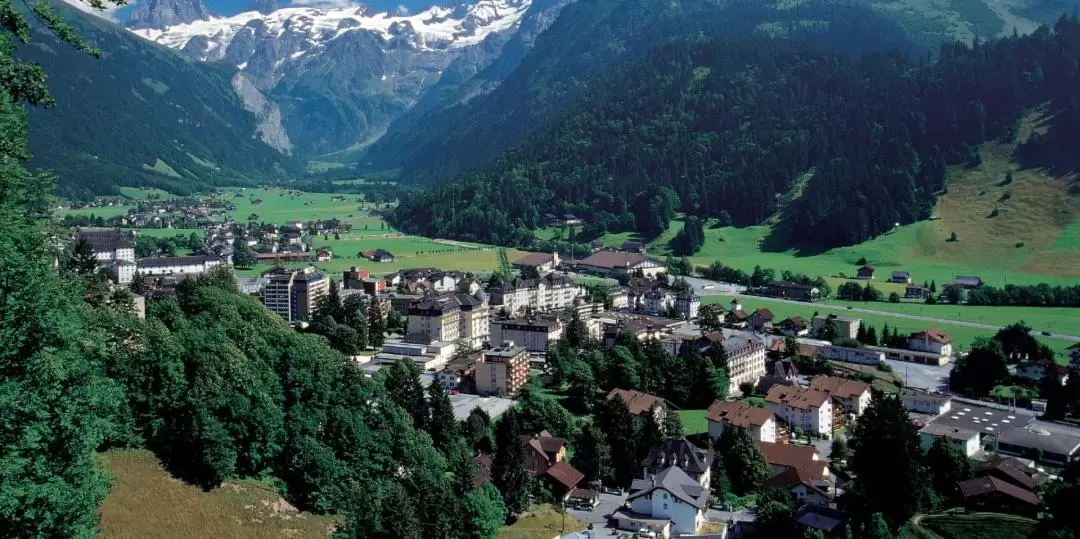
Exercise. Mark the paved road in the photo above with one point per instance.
(1035, 331)
(931, 377)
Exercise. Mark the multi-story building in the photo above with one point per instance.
(805, 409)
(535, 334)
(502, 370)
(435, 318)
(932, 341)
(113, 250)
(551, 292)
(853, 395)
(1074, 356)
(474, 324)
(745, 354)
(177, 265)
(657, 301)
(758, 422)
(294, 295)
(846, 328)
(687, 304)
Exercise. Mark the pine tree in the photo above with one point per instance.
(887, 460)
(947, 465)
(243, 257)
(83, 260)
(508, 469)
(871, 336)
(441, 424)
(745, 464)
(592, 454)
(673, 427)
(860, 335)
(476, 430)
(614, 417)
(138, 284)
(376, 323)
(402, 384)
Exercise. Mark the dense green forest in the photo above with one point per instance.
(148, 105)
(587, 38)
(857, 143)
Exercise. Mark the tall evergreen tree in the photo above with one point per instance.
(402, 385)
(887, 461)
(592, 454)
(441, 424)
(508, 469)
(947, 465)
(376, 323)
(476, 430)
(619, 425)
(746, 466)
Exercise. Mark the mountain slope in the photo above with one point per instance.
(718, 127)
(162, 13)
(340, 76)
(152, 119)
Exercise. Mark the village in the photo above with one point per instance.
(796, 386)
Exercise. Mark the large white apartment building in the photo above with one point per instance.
(114, 250)
(805, 409)
(177, 265)
(551, 292)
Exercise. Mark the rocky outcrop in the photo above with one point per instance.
(269, 128)
(165, 13)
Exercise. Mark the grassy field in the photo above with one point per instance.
(962, 335)
(145, 503)
(281, 205)
(693, 421)
(541, 522)
(1034, 236)
(1056, 320)
(968, 526)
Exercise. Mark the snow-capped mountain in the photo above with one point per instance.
(164, 13)
(340, 75)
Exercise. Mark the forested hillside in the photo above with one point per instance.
(586, 39)
(718, 127)
(154, 119)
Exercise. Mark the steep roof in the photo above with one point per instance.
(765, 314)
(679, 452)
(980, 486)
(638, 402)
(544, 442)
(790, 455)
(796, 397)
(839, 387)
(676, 482)
(564, 474)
(1011, 470)
(738, 414)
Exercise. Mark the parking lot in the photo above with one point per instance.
(931, 377)
(598, 516)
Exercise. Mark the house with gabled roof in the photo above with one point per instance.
(802, 408)
(761, 320)
(968, 281)
(865, 273)
(670, 496)
(852, 395)
(641, 404)
(901, 277)
(758, 422)
(801, 470)
(679, 452)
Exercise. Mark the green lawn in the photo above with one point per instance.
(541, 522)
(694, 422)
(969, 526)
(281, 205)
(962, 335)
(1054, 319)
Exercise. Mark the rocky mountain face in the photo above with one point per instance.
(341, 76)
(164, 13)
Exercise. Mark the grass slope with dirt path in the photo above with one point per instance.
(541, 522)
(974, 525)
(146, 503)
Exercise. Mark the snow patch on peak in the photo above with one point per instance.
(435, 28)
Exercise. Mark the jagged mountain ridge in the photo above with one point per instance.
(340, 76)
(164, 13)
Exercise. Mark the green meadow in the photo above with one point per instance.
(962, 335)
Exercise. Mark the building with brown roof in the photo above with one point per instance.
(992, 494)
(852, 395)
(544, 262)
(758, 422)
(805, 409)
(931, 340)
(796, 291)
(795, 326)
(542, 451)
(865, 273)
(1011, 470)
(640, 403)
(562, 478)
(799, 469)
(761, 320)
(614, 263)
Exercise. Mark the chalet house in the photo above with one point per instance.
(802, 408)
(669, 501)
(968, 281)
(570, 219)
(758, 422)
(992, 494)
(799, 469)
(633, 247)
(794, 326)
(737, 319)
(641, 404)
(382, 255)
(1011, 470)
(679, 452)
(542, 451)
(761, 320)
(324, 255)
(914, 291)
(901, 277)
(796, 291)
(865, 273)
